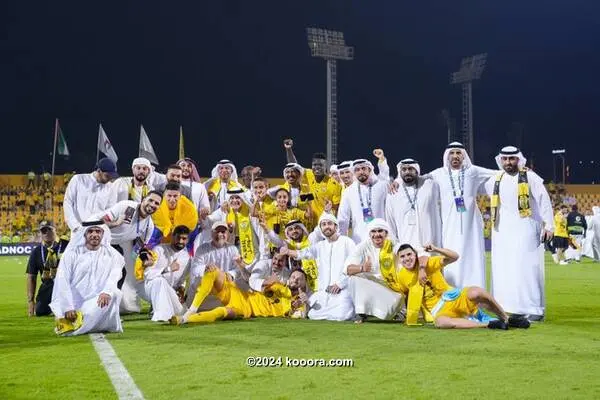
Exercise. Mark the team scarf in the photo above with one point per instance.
(50, 261)
(308, 266)
(185, 214)
(243, 227)
(522, 193)
(387, 266)
(132, 192)
(215, 186)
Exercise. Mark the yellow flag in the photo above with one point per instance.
(181, 151)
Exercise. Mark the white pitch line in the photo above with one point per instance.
(119, 376)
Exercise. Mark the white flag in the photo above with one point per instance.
(146, 149)
(104, 145)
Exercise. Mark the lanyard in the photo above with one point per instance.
(137, 229)
(461, 181)
(413, 201)
(362, 204)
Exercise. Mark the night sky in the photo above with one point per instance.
(239, 77)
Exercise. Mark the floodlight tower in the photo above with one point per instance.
(471, 69)
(331, 46)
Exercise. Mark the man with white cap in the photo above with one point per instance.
(369, 291)
(331, 299)
(136, 187)
(362, 201)
(131, 228)
(522, 220)
(88, 194)
(462, 224)
(221, 253)
(223, 178)
(85, 298)
(413, 211)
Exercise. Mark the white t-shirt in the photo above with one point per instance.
(141, 228)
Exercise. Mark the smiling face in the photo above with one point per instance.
(346, 176)
(151, 203)
(295, 232)
(172, 197)
(282, 198)
(186, 169)
(93, 237)
(378, 236)
(220, 236)
(225, 172)
(456, 158)
(328, 228)
(318, 166)
(174, 175)
(407, 258)
(179, 241)
(235, 202)
(259, 188)
(292, 176)
(297, 281)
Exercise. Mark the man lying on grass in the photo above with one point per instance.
(277, 300)
(420, 279)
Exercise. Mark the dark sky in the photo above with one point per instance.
(239, 77)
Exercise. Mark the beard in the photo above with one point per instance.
(362, 178)
(141, 177)
(179, 246)
(409, 179)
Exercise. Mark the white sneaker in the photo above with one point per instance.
(563, 262)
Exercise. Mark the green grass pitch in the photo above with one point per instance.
(557, 359)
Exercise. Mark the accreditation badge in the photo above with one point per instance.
(367, 214)
(460, 204)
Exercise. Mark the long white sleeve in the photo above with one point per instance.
(260, 272)
(70, 204)
(389, 217)
(344, 213)
(542, 198)
(116, 272)
(384, 170)
(62, 295)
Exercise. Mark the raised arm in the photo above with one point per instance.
(289, 153)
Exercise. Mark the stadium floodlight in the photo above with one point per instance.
(561, 154)
(471, 69)
(331, 46)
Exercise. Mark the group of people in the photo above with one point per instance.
(333, 242)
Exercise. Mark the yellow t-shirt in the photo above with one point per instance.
(276, 217)
(560, 225)
(433, 291)
(327, 189)
(274, 302)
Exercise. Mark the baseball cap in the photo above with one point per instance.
(46, 224)
(218, 224)
(107, 165)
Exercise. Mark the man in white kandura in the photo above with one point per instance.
(88, 194)
(267, 272)
(522, 219)
(135, 187)
(331, 300)
(413, 212)
(85, 298)
(163, 272)
(362, 201)
(462, 224)
(223, 178)
(368, 290)
(131, 228)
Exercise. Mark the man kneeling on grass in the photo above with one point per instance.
(420, 279)
(277, 300)
(85, 298)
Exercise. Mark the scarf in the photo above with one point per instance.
(184, 214)
(50, 261)
(215, 186)
(132, 193)
(387, 266)
(522, 193)
(243, 228)
(308, 266)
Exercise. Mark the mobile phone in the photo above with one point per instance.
(276, 228)
(129, 211)
(307, 196)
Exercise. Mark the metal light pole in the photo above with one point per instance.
(331, 46)
(561, 154)
(471, 69)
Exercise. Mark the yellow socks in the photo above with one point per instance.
(217, 314)
(204, 289)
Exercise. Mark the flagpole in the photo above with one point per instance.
(97, 142)
(54, 149)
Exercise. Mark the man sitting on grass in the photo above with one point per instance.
(277, 300)
(85, 298)
(420, 279)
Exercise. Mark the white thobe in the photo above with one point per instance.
(463, 231)
(199, 194)
(222, 257)
(160, 282)
(418, 225)
(368, 291)
(85, 197)
(517, 249)
(592, 238)
(120, 188)
(330, 257)
(351, 207)
(124, 236)
(263, 270)
(83, 275)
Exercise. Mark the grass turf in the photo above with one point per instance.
(556, 358)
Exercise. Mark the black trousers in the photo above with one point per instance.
(43, 298)
(120, 250)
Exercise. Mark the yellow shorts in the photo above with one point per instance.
(232, 297)
(462, 307)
